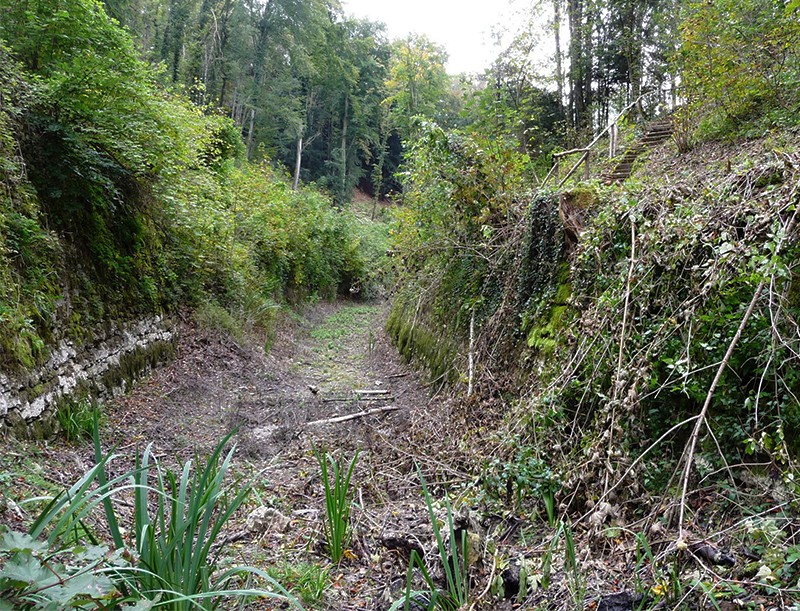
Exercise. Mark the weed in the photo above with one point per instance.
(305, 580)
(171, 566)
(455, 595)
(76, 417)
(576, 581)
(211, 315)
(338, 501)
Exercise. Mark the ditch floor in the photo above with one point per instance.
(332, 381)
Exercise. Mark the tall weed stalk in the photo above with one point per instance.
(338, 501)
(455, 594)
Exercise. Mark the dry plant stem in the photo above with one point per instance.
(471, 365)
(617, 381)
(688, 457)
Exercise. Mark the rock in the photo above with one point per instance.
(404, 543)
(622, 601)
(266, 519)
(510, 578)
(712, 554)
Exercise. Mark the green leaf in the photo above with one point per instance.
(85, 585)
(14, 541)
(23, 569)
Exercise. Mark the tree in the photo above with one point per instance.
(417, 84)
(740, 64)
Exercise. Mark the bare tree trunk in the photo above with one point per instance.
(344, 147)
(297, 161)
(557, 31)
(575, 14)
(250, 133)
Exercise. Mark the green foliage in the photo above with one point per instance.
(740, 66)
(177, 520)
(523, 478)
(464, 193)
(306, 581)
(36, 575)
(119, 199)
(451, 546)
(76, 416)
(213, 316)
(338, 501)
(417, 84)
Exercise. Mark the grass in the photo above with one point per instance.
(342, 342)
(338, 501)
(347, 321)
(76, 417)
(304, 580)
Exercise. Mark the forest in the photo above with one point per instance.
(290, 317)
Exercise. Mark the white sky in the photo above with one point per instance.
(462, 27)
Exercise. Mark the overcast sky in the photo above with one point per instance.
(462, 27)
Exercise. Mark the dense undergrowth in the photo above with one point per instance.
(120, 199)
(635, 378)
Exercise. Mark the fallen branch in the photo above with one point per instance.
(369, 412)
(349, 399)
(688, 456)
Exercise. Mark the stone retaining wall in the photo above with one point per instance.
(103, 366)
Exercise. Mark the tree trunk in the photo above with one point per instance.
(250, 133)
(344, 148)
(575, 15)
(297, 161)
(587, 60)
(557, 32)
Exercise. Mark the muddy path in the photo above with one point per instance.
(274, 400)
(315, 364)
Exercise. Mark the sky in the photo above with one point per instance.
(462, 27)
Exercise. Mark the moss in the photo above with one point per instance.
(135, 363)
(581, 198)
(417, 343)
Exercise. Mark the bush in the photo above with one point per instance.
(740, 66)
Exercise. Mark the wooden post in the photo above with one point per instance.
(612, 140)
(557, 166)
(587, 165)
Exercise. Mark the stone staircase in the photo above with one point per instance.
(655, 133)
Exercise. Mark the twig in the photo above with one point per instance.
(689, 453)
(369, 412)
(471, 366)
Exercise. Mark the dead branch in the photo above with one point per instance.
(345, 418)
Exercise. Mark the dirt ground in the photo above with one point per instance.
(280, 404)
(273, 401)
